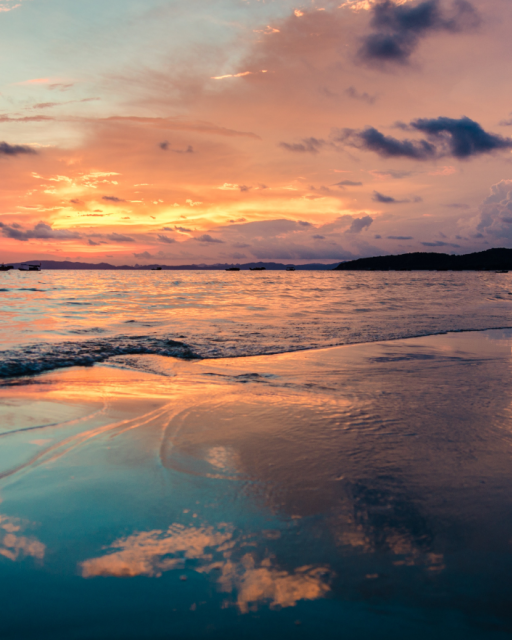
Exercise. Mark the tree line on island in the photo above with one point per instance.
(490, 260)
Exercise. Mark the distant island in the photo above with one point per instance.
(490, 260)
(271, 266)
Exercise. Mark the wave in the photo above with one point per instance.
(39, 358)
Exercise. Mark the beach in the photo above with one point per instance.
(354, 491)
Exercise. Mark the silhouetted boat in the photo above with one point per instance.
(6, 267)
(30, 267)
(290, 268)
(233, 269)
(156, 269)
(257, 268)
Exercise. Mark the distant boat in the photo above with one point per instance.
(290, 268)
(233, 269)
(6, 267)
(30, 267)
(156, 269)
(257, 268)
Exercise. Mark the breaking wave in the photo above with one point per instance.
(34, 359)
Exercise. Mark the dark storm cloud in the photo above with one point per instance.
(396, 175)
(358, 224)
(41, 231)
(439, 243)
(166, 146)
(166, 239)
(398, 29)
(348, 183)
(307, 145)
(112, 199)
(119, 237)
(207, 238)
(380, 197)
(7, 149)
(461, 138)
(352, 92)
(370, 139)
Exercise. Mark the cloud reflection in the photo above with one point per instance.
(146, 553)
(14, 546)
(255, 583)
(150, 553)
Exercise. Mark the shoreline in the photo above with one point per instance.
(174, 349)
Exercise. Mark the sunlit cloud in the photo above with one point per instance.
(290, 106)
(43, 81)
(238, 75)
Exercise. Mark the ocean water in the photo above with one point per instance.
(55, 319)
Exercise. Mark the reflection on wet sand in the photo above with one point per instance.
(150, 553)
(257, 584)
(146, 553)
(375, 473)
(15, 546)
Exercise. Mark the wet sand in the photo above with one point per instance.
(359, 492)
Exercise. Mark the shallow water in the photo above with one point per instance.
(58, 318)
(357, 492)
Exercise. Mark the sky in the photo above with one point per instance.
(232, 131)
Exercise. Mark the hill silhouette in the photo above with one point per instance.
(271, 266)
(490, 260)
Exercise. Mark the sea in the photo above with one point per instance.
(54, 319)
(225, 455)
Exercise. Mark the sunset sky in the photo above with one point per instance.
(204, 131)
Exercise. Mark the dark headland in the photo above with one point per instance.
(490, 260)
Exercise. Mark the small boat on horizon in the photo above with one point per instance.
(156, 269)
(233, 269)
(257, 268)
(6, 267)
(290, 268)
(26, 266)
